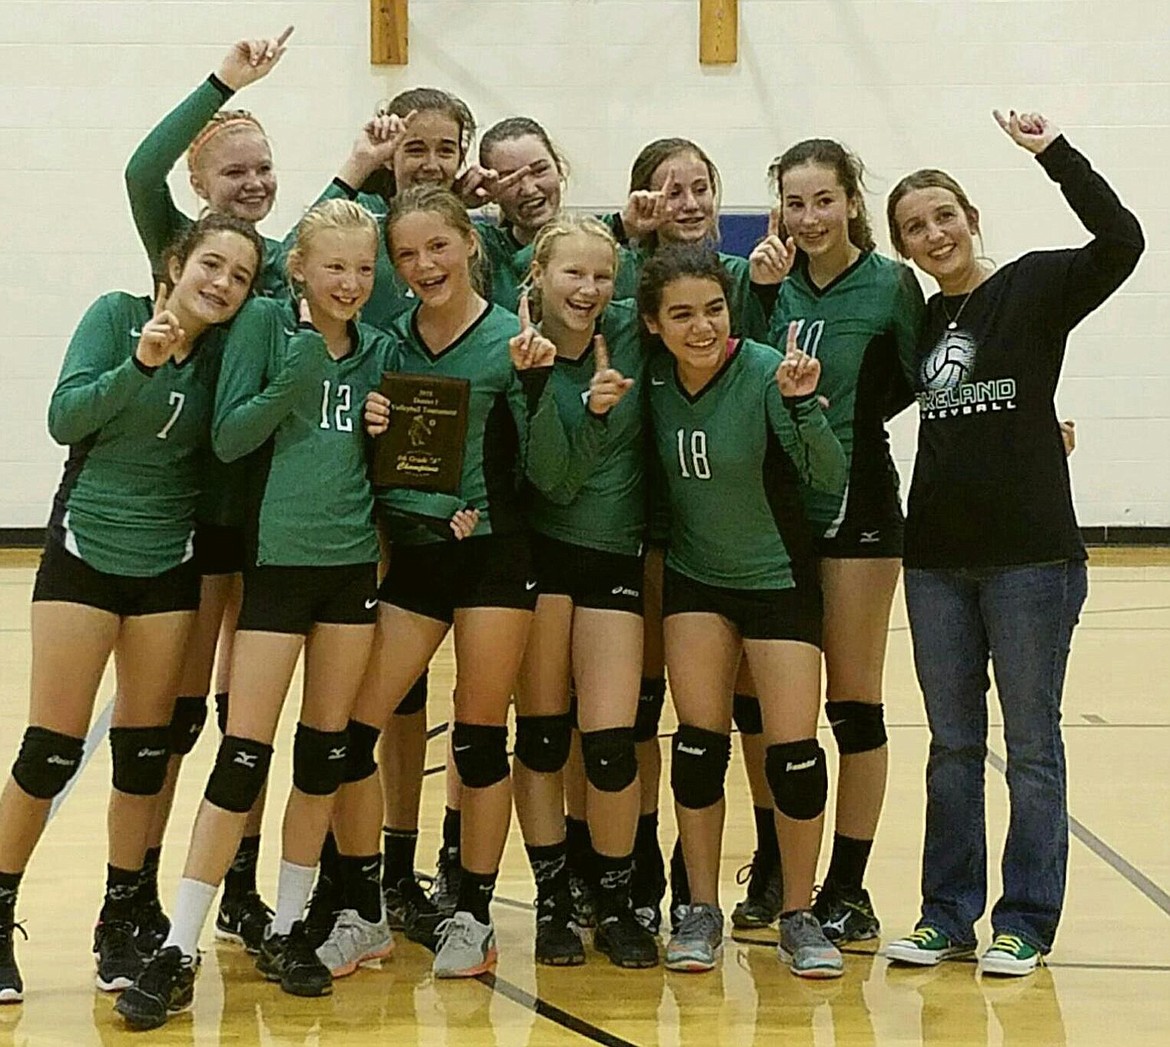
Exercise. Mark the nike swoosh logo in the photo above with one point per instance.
(135, 332)
(371, 604)
(585, 397)
(461, 748)
(658, 381)
(530, 586)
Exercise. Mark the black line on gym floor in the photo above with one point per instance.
(553, 1013)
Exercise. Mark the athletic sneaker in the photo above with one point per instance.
(119, 962)
(151, 928)
(466, 947)
(647, 889)
(845, 915)
(584, 905)
(11, 984)
(558, 943)
(806, 950)
(409, 909)
(765, 894)
(926, 947)
(626, 942)
(698, 941)
(291, 960)
(1009, 955)
(445, 890)
(165, 987)
(354, 941)
(243, 920)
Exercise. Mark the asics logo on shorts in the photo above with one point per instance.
(245, 759)
(151, 752)
(60, 761)
(800, 766)
(695, 751)
(620, 590)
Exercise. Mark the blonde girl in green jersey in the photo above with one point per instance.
(133, 405)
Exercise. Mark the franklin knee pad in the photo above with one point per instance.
(859, 727)
(359, 760)
(481, 753)
(415, 700)
(241, 767)
(319, 759)
(746, 714)
(798, 778)
(610, 757)
(46, 761)
(542, 742)
(221, 711)
(140, 757)
(698, 766)
(649, 714)
(187, 723)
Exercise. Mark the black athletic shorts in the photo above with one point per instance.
(494, 570)
(67, 578)
(294, 599)
(219, 549)
(589, 577)
(758, 614)
(873, 525)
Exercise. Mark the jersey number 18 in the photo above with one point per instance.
(700, 466)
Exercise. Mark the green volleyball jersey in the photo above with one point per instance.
(513, 429)
(747, 313)
(734, 456)
(126, 503)
(856, 326)
(601, 502)
(280, 390)
(156, 217)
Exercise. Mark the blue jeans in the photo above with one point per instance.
(1022, 618)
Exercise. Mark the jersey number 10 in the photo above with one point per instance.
(341, 420)
(700, 465)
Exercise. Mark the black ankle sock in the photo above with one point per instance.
(361, 884)
(680, 887)
(578, 846)
(475, 894)
(613, 884)
(550, 869)
(452, 827)
(766, 843)
(9, 886)
(398, 847)
(121, 893)
(241, 877)
(847, 866)
(646, 837)
(148, 878)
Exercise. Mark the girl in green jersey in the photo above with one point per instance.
(133, 404)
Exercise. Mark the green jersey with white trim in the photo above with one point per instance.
(126, 503)
(734, 455)
(281, 391)
(601, 503)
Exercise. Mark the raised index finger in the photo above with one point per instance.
(288, 31)
(600, 354)
(791, 349)
(160, 301)
(510, 179)
(774, 222)
(524, 313)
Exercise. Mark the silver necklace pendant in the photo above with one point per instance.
(952, 325)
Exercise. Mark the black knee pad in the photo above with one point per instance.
(241, 767)
(859, 727)
(745, 712)
(140, 757)
(319, 759)
(542, 742)
(698, 766)
(46, 762)
(187, 723)
(481, 753)
(650, 701)
(798, 778)
(415, 700)
(610, 757)
(221, 708)
(359, 760)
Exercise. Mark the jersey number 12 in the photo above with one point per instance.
(341, 419)
(700, 466)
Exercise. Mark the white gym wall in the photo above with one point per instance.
(907, 83)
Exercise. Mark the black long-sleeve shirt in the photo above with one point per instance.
(991, 484)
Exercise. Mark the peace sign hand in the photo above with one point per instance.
(1031, 131)
(161, 334)
(772, 259)
(607, 386)
(798, 372)
(375, 146)
(530, 349)
(646, 210)
(252, 60)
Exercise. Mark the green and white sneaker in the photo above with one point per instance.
(466, 947)
(1009, 955)
(926, 947)
(806, 950)
(698, 941)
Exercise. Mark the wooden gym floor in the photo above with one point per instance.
(1109, 976)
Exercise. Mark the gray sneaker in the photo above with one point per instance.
(354, 941)
(698, 941)
(806, 950)
(466, 947)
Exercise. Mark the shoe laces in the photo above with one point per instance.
(7, 928)
(459, 930)
(804, 930)
(699, 920)
(923, 935)
(1008, 943)
(161, 969)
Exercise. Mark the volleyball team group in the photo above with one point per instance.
(675, 466)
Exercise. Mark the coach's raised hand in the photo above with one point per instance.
(607, 386)
(252, 60)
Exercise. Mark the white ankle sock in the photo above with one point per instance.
(292, 893)
(192, 904)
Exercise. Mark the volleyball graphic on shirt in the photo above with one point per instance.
(950, 362)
